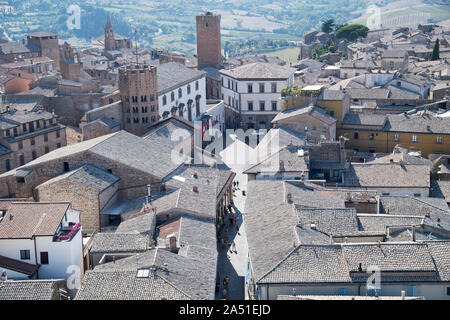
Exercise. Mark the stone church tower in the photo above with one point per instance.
(209, 51)
(110, 42)
(139, 94)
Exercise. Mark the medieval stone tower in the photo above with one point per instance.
(208, 40)
(139, 93)
(110, 42)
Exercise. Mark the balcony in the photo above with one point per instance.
(67, 233)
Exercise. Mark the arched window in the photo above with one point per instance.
(189, 89)
(180, 93)
(164, 100)
(172, 96)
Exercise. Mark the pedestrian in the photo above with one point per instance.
(225, 293)
(233, 247)
(229, 246)
(237, 184)
(234, 184)
(227, 280)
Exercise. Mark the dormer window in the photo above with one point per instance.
(143, 273)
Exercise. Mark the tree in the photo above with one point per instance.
(435, 53)
(327, 25)
(352, 32)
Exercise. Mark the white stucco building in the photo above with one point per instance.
(181, 91)
(253, 91)
(40, 240)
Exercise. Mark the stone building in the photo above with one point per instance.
(70, 65)
(28, 135)
(208, 40)
(135, 161)
(310, 120)
(138, 87)
(114, 41)
(47, 43)
(88, 188)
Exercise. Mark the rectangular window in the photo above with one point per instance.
(439, 139)
(261, 87)
(342, 291)
(57, 134)
(44, 257)
(396, 137)
(411, 291)
(32, 141)
(274, 106)
(25, 254)
(21, 159)
(414, 138)
(250, 106)
(20, 145)
(33, 154)
(250, 88)
(274, 88)
(371, 136)
(262, 106)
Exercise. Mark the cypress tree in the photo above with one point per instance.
(435, 54)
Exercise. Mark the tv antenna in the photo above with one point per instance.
(136, 47)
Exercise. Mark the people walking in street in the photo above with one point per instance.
(225, 293)
(237, 184)
(233, 247)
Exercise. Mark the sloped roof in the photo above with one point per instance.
(387, 175)
(119, 242)
(319, 264)
(259, 70)
(27, 219)
(87, 175)
(28, 289)
(18, 266)
(313, 111)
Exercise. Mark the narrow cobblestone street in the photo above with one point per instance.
(234, 263)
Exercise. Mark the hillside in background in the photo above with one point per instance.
(248, 26)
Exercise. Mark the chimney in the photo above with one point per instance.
(148, 198)
(4, 276)
(172, 242)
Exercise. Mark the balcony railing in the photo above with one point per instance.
(67, 234)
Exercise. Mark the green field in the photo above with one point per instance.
(288, 55)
